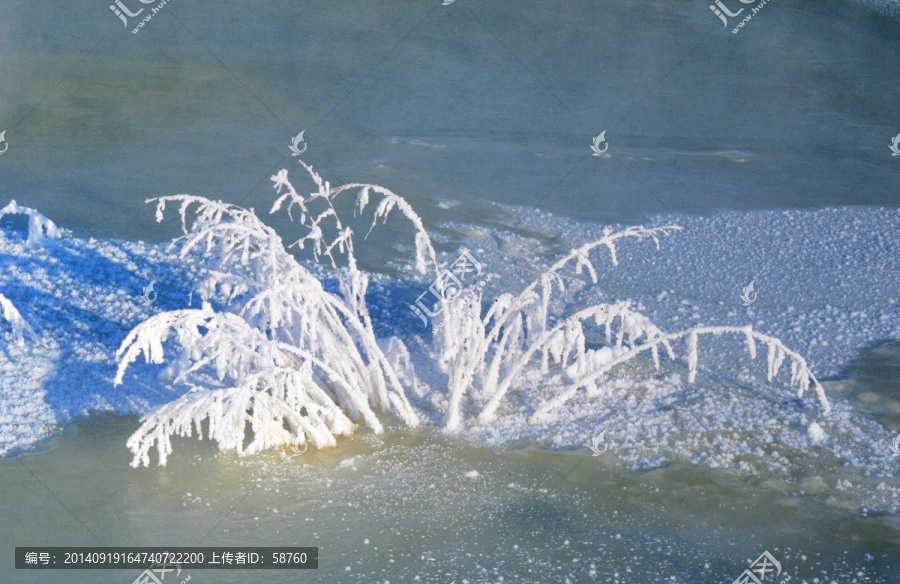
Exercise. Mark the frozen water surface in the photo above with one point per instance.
(770, 146)
(404, 507)
(475, 101)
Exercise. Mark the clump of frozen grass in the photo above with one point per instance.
(293, 363)
(515, 334)
(284, 358)
(816, 434)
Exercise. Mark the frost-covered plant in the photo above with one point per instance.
(496, 347)
(284, 357)
(515, 332)
(294, 363)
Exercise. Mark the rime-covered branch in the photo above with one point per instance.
(565, 343)
(801, 376)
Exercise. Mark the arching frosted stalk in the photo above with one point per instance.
(803, 378)
(751, 342)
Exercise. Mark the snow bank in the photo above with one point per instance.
(79, 297)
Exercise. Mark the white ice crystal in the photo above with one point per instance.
(20, 328)
(816, 434)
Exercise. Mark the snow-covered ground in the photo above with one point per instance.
(80, 297)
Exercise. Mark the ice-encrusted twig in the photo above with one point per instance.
(425, 253)
(567, 338)
(801, 376)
